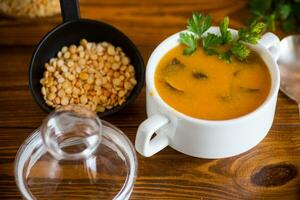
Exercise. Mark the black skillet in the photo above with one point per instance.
(72, 31)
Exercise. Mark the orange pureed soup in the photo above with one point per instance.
(206, 87)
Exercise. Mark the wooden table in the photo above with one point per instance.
(269, 171)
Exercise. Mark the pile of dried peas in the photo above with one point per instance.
(96, 75)
(30, 8)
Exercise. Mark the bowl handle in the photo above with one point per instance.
(69, 10)
(271, 42)
(144, 143)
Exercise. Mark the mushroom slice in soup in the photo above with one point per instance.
(224, 98)
(249, 90)
(199, 75)
(174, 65)
(172, 86)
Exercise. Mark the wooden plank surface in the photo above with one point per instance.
(269, 171)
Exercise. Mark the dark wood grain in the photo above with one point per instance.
(171, 175)
(270, 171)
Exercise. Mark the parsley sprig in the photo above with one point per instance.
(211, 43)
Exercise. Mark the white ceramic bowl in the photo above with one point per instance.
(206, 138)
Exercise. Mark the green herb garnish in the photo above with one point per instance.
(240, 51)
(225, 33)
(282, 13)
(251, 33)
(211, 43)
(199, 24)
(190, 41)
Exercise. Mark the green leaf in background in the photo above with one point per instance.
(261, 6)
(271, 22)
(288, 25)
(190, 41)
(285, 11)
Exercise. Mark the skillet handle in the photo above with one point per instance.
(69, 10)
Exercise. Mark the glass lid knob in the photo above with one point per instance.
(71, 133)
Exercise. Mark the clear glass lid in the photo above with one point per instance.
(75, 155)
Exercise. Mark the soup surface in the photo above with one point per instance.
(206, 87)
